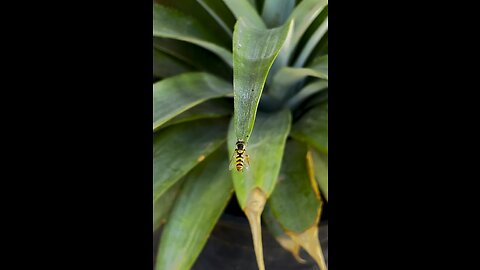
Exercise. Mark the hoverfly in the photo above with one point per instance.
(239, 157)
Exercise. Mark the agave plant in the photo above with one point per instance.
(239, 70)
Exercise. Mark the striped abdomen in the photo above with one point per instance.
(239, 159)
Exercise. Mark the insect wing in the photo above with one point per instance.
(247, 161)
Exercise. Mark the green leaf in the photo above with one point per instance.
(206, 192)
(245, 10)
(320, 163)
(220, 12)
(179, 148)
(162, 207)
(320, 49)
(265, 150)
(253, 3)
(306, 92)
(311, 30)
(175, 95)
(165, 65)
(311, 43)
(282, 58)
(303, 15)
(213, 108)
(314, 100)
(254, 51)
(294, 202)
(320, 64)
(170, 23)
(195, 10)
(312, 128)
(285, 81)
(195, 56)
(282, 238)
(271, 223)
(311, 102)
(276, 12)
(307, 15)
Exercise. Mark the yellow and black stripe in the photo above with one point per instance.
(239, 159)
(240, 153)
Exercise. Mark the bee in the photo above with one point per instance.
(239, 157)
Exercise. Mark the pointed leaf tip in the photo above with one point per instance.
(308, 240)
(293, 247)
(255, 204)
(254, 51)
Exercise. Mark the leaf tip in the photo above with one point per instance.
(293, 247)
(308, 240)
(253, 210)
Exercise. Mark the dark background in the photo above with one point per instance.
(76, 120)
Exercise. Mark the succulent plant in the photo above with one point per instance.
(249, 71)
